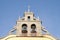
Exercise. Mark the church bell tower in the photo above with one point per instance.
(28, 28)
(28, 25)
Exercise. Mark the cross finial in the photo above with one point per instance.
(19, 17)
(28, 8)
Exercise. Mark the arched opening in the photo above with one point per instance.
(28, 18)
(24, 30)
(33, 30)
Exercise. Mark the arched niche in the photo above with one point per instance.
(33, 30)
(24, 29)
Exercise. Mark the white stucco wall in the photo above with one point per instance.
(13, 37)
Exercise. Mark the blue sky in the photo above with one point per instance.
(47, 10)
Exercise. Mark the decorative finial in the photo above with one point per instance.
(28, 8)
